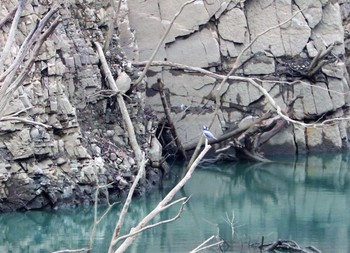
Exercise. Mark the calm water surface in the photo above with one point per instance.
(306, 200)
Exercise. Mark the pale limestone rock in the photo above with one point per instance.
(7, 126)
(155, 152)
(305, 105)
(15, 105)
(336, 92)
(65, 106)
(191, 87)
(233, 26)
(223, 7)
(145, 19)
(336, 70)
(299, 137)
(123, 82)
(237, 93)
(313, 137)
(329, 30)
(324, 2)
(260, 65)
(281, 143)
(229, 48)
(199, 50)
(19, 145)
(313, 12)
(295, 35)
(185, 23)
(262, 15)
(311, 49)
(327, 138)
(321, 97)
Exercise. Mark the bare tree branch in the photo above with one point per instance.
(184, 201)
(203, 247)
(71, 250)
(169, 119)
(13, 85)
(125, 208)
(31, 122)
(11, 37)
(128, 241)
(124, 111)
(191, 69)
(98, 220)
(27, 44)
(8, 17)
(9, 85)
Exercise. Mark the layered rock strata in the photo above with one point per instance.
(86, 144)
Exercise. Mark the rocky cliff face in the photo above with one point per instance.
(211, 34)
(86, 144)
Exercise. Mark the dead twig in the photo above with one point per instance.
(203, 245)
(98, 220)
(170, 120)
(71, 250)
(125, 208)
(31, 122)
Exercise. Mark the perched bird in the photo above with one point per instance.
(207, 134)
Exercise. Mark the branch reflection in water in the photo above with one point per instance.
(305, 199)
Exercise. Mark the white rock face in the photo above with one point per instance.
(312, 12)
(330, 29)
(260, 17)
(233, 26)
(199, 50)
(211, 36)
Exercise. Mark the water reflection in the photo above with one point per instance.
(304, 199)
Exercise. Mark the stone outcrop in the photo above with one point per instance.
(86, 143)
(213, 37)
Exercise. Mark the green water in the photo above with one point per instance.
(306, 200)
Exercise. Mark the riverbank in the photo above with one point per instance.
(307, 203)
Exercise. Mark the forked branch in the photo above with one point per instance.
(162, 205)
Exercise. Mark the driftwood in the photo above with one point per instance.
(169, 119)
(246, 140)
(285, 245)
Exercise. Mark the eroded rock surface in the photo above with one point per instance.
(213, 38)
(86, 144)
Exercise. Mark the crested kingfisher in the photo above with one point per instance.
(207, 134)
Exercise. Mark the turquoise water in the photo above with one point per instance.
(306, 200)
